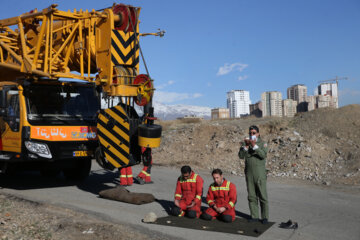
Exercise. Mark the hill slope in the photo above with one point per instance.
(321, 146)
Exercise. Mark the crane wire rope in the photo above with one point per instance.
(136, 39)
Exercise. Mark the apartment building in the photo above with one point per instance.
(289, 107)
(329, 89)
(256, 109)
(220, 113)
(238, 102)
(271, 104)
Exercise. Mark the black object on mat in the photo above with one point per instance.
(240, 226)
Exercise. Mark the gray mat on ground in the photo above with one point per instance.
(121, 194)
(240, 226)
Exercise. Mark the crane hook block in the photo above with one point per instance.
(145, 89)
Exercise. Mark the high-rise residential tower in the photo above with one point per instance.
(238, 102)
(297, 92)
(289, 107)
(271, 104)
(330, 90)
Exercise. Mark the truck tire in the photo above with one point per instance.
(7, 169)
(80, 171)
(48, 172)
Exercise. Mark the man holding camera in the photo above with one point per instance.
(254, 150)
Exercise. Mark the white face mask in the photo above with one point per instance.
(253, 137)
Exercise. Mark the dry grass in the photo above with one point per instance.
(190, 120)
(167, 125)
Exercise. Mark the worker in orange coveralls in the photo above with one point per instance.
(144, 177)
(221, 198)
(126, 177)
(188, 194)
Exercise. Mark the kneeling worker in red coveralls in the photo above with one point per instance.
(221, 198)
(188, 194)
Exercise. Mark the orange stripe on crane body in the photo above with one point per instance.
(63, 133)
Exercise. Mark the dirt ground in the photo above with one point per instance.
(321, 146)
(22, 219)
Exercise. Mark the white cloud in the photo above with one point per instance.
(240, 78)
(227, 68)
(165, 85)
(170, 97)
(209, 84)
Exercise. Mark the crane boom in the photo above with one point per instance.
(336, 80)
(55, 44)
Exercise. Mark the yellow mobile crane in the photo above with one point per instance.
(56, 125)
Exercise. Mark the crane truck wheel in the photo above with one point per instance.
(51, 173)
(80, 171)
(7, 169)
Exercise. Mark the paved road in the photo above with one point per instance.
(321, 213)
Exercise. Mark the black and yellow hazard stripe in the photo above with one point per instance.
(113, 132)
(124, 48)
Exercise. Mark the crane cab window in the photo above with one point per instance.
(61, 104)
(12, 111)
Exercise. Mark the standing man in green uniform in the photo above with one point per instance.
(254, 150)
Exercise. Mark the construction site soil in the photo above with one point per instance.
(24, 219)
(322, 146)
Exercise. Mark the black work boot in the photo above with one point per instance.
(191, 214)
(140, 180)
(176, 211)
(226, 218)
(264, 221)
(206, 216)
(253, 220)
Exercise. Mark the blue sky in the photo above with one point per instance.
(211, 47)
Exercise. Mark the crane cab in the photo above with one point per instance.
(48, 125)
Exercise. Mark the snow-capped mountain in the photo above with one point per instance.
(170, 112)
